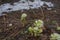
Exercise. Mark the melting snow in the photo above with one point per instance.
(7, 7)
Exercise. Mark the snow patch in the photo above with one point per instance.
(7, 7)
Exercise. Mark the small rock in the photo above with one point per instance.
(4, 14)
(49, 8)
(10, 24)
(55, 11)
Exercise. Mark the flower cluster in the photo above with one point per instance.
(36, 30)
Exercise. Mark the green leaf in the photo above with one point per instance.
(38, 23)
(58, 28)
(55, 36)
(23, 16)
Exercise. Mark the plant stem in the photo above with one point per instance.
(41, 9)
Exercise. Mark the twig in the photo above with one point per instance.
(41, 9)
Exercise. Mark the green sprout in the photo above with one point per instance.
(36, 30)
(58, 28)
(30, 30)
(55, 36)
(38, 23)
(23, 16)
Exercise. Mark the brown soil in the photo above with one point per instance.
(14, 32)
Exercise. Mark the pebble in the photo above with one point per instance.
(10, 24)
